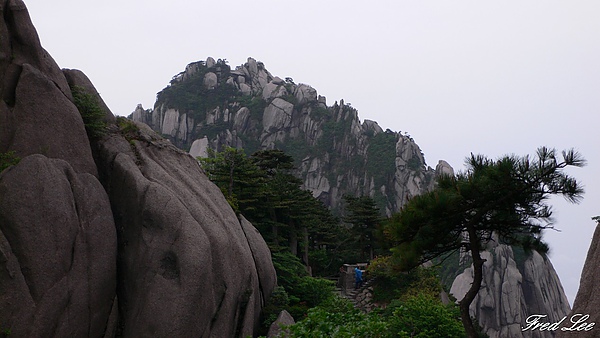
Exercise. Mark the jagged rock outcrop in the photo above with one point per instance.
(249, 108)
(512, 290)
(587, 300)
(283, 319)
(69, 220)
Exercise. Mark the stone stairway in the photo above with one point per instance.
(361, 297)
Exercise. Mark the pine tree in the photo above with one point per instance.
(506, 198)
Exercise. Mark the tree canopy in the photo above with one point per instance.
(504, 199)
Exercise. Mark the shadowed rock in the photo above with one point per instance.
(57, 251)
(587, 301)
(187, 266)
(37, 115)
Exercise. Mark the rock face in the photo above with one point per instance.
(249, 108)
(587, 301)
(276, 328)
(186, 259)
(74, 212)
(512, 290)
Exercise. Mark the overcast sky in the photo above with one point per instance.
(458, 76)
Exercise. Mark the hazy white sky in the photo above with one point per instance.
(458, 76)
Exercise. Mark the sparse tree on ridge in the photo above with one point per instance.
(507, 197)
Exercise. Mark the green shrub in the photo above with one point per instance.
(8, 159)
(391, 284)
(338, 318)
(423, 316)
(91, 112)
(278, 302)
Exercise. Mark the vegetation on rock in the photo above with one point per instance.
(8, 159)
(91, 112)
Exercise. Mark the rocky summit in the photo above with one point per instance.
(106, 229)
(210, 105)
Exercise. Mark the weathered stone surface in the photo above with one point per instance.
(61, 120)
(210, 62)
(509, 295)
(199, 148)
(273, 90)
(587, 301)
(443, 168)
(305, 94)
(369, 125)
(185, 258)
(277, 115)
(240, 122)
(283, 319)
(210, 80)
(170, 122)
(57, 249)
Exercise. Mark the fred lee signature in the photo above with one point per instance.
(578, 322)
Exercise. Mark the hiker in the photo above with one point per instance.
(358, 278)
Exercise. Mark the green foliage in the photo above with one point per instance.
(423, 316)
(128, 128)
(8, 159)
(237, 177)
(256, 105)
(303, 291)
(291, 98)
(318, 112)
(278, 302)
(417, 316)
(365, 217)
(338, 318)
(91, 112)
(381, 157)
(392, 284)
(414, 163)
(192, 96)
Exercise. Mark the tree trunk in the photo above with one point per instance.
(305, 250)
(465, 303)
(275, 231)
(294, 243)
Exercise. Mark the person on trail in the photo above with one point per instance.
(357, 278)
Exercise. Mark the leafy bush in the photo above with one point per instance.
(303, 291)
(391, 284)
(91, 112)
(8, 159)
(419, 316)
(338, 318)
(423, 316)
(278, 302)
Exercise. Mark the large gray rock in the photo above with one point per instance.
(587, 301)
(509, 294)
(189, 266)
(57, 235)
(277, 327)
(58, 251)
(36, 93)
